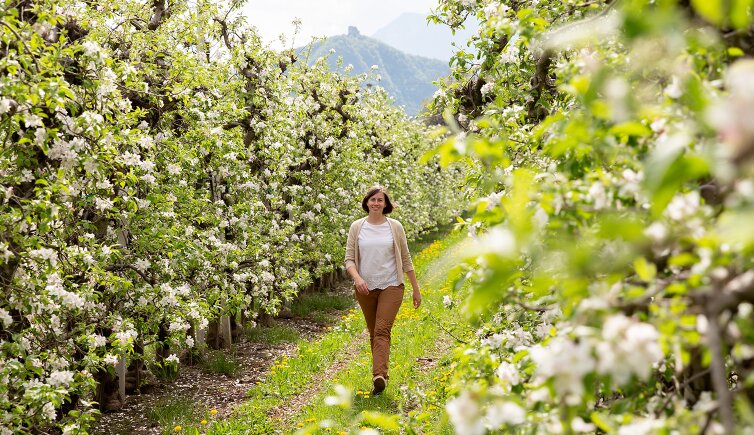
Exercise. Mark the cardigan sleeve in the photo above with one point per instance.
(408, 265)
(351, 247)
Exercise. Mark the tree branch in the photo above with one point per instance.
(717, 368)
(437, 322)
(160, 12)
(122, 266)
(224, 32)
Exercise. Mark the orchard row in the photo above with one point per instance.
(162, 170)
(614, 283)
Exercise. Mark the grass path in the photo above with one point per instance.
(419, 350)
(292, 397)
(292, 406)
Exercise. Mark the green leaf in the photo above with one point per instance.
(646, 270)
(741, 14)
(520, 355)
(735, 52)
(745, 410)
(601, 423)
(682, 260)
(631, 128)
(493, 289)
(695, 95)
(711, 10)
(735, 227)
(614, 227)
(667, 172)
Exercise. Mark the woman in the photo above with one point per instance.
(376, 258)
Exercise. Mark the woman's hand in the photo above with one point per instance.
(417, 298)
(361, 286)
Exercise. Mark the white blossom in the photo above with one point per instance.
(110, 359)
(60, 378)
(174, 169)
(102, 204)
(341, 398)
(178, 326)
(494, 341)
(657, 232)
(629, 348)
(683, 206)
(5, 105)
(508, 373)
(580, 426)
(125, 336)
(447, 301)
(49, 411)
(97, 340)
(598, 195)
(641, 426)
(465, 415)
(31, 120)
(142, 264)
(501, 413)
(673, 90)
(5, 317)
(91, 48)
(487, 88)
(130, 159)
(565, 361)
(104, 184)
(45, 254)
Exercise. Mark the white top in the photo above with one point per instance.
(377, 256)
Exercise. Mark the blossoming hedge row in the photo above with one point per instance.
(612, 278)
(160, 168)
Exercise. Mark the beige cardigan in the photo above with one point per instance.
(400, 246)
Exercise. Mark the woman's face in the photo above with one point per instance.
(376, 203)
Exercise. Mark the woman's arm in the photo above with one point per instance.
(415, 285)
(361, 285)
(408, 268)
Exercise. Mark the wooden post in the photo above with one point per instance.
(120, 370)
(225, 331)
(200, 338)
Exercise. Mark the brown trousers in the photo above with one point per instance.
(380, 308)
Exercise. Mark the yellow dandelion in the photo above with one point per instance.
(178, 428)
(203, 422)
(213, 412)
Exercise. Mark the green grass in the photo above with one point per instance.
(309, 304)
(288, 377)
(275, 334)
(323, 318)
(414, 335)
(220, 362)
(170, 412)
(426, 239)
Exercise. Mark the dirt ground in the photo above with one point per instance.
(212, 391)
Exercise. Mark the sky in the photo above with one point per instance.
(325, 17)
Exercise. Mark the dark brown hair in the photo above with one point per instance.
(373, 191)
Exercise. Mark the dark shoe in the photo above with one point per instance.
(379, 383)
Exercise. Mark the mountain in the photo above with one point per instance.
(411, 34)
(408, 78)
